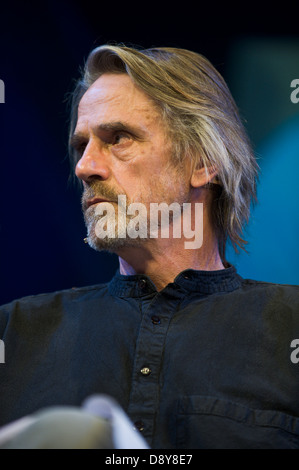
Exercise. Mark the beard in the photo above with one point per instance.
(114, 226)
(118, 225)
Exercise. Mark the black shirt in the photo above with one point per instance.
(204, 363)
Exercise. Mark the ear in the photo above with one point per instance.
(202, 176)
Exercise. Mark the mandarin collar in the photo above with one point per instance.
(188, 281)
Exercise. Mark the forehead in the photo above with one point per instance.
(114, 93)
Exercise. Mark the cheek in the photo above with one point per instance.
(147, 176)
(131, 180)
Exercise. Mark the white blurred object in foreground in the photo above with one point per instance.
(99, 424)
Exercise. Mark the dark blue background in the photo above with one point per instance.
(42, 46)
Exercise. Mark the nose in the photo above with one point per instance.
(94, 162)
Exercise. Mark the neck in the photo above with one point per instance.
(163, 270)
(163, 260)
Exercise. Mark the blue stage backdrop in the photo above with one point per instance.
(261, 73)
(42, 46)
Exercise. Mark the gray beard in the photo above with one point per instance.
(112, 244)
(120, 238)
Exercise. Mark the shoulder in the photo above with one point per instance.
(270, 288)
(260, 299)
(271, 297)
(47, 305)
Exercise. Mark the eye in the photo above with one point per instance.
(80, 149)
(120, 137)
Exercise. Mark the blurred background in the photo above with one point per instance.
(42, 47)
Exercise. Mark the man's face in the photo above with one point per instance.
(124, 150)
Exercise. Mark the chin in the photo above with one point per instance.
(113, 245)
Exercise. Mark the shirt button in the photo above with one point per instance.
(139, 425)
(145, 371)
(187, 276)
(156, 320)
(142, 283)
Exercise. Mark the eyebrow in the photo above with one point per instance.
(115, 126)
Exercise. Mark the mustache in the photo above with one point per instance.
(100, 190)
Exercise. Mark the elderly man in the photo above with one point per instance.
(195, 355)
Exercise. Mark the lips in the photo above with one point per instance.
(95, 200)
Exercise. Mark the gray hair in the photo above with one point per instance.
(202, 121)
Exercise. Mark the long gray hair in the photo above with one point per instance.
(201, 118)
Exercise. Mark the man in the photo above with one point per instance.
(195, 355)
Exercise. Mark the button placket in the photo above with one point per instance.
(150, 343)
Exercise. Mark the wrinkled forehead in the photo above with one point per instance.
(114, 89)
(115, 97)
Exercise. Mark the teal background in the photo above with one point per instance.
(260, 73)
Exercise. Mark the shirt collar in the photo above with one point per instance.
(188, 281)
